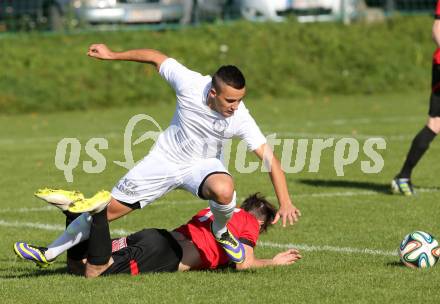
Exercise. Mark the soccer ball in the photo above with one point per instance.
(419, 250)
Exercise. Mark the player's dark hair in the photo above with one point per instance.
(257, 205)
(229, 75)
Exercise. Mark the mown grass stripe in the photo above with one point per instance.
(269, 244)
(347, 250)
(199, 201)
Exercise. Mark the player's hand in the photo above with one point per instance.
(100, 51)
(287, 257)
(287, 213)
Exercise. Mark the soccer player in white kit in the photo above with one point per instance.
(188, 153)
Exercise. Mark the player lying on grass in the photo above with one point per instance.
(187, 155)
(188, 247)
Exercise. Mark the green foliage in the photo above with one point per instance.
(42, 72)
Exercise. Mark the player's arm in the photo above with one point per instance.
(287, 210)
(436, 32)
(287, 257)
(153, 57)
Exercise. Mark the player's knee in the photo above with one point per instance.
(224, 195)
(220, 188)
(434, 124)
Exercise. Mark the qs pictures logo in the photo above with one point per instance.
(68, 151)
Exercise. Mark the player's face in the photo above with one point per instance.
(227, 100)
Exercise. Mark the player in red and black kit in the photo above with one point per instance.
(420, 144)
(189, 247)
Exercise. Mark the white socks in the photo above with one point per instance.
(75, 233)
(222, 214)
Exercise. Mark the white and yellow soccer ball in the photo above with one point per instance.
(419, 250)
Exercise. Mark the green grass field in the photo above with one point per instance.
(342, 216)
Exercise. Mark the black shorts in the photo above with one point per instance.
(149, 250)
(434, 103)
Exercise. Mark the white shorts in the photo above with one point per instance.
(155, 175)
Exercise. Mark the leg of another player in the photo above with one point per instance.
(434, 124)
(76, 256)
(99, 256)
(79, 229)
(419, 146)
(219, 189)
(76, 232)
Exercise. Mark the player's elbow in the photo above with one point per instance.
(247, 264)
(243, 266)
(157, 58)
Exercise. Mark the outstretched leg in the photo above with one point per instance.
(419, 146)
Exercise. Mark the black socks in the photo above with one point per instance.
(100, 244)
(419, 146)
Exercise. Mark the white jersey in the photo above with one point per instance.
(196, 131)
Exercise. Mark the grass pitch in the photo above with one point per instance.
(348, 233)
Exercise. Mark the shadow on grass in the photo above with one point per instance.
(395, 264)
(431, 189)
(228, 269)
(377, 187)
(24, 272)
(21, 272)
